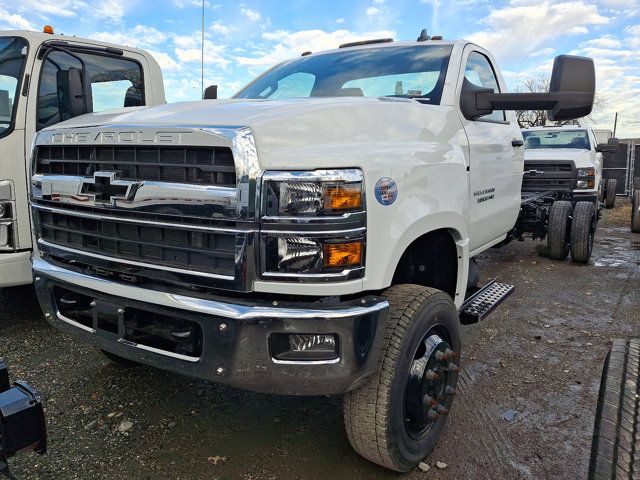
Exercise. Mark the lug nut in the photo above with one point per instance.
(432, 414)
(47, 315)
(219, 371)
(441, 356)
(454, 368)
(429, 401)
(432, 376)
(92, 304)
(121, 311)
(450, 353)
(450, 391)
(442, 410)
(223, 327)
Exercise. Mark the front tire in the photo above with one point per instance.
(395, 418)
(559, 231)
(583, 229)
(610, 201)
(615, 448)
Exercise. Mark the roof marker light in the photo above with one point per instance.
(48, 29)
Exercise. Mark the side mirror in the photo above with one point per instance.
(612, 146)
(211, 92)
(72, 99)
(570, 96)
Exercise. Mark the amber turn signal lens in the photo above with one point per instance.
(591, 183)
(343, 197)
(343, 254)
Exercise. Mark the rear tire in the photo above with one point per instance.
(610, 193)
(118, 360)
(583, 229)
(383, 422)
(615, 447)
(635, 211)
(559, 230)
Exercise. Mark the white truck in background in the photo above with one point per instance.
(39, 73)
(577, 147)
(310, 236)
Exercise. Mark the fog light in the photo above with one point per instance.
(304, 346)
(298, 254)
(585, 184)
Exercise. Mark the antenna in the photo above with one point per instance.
(202, 56)
(424, 36)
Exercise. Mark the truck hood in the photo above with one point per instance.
(323, 132)
(581, 158)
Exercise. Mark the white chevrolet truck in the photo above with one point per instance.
(310, 236)
(38, 72)
(576, 147)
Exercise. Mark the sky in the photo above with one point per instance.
(242, 39)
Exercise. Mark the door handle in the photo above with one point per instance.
(517, 142)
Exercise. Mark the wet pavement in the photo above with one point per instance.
(524, 407)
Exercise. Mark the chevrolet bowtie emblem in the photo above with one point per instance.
(533, 173)
(106, 189)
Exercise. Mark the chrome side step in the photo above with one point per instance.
(479, 305)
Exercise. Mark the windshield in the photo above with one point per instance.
(13, 52)
(556, 139)
(410, 72)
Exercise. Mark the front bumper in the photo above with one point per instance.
(238, 354)
(15, 269)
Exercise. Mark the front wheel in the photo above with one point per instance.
(395, 418)
(583, 228)
(610, 195)
(559, 230)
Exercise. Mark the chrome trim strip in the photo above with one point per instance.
(209, 307)
(141, 222)
(345, 217)
(346, 274)
(321, 175)
(302, 362)
(74, 323)
(313, 233)
(134, 263)
(177, 356)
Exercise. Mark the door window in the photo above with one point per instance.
(480, 72)
(113, 82)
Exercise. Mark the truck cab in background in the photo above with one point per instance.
(45, 79)
(575, 150)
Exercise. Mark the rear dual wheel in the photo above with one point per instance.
(583, 228)
(610, 193)
(395, 419)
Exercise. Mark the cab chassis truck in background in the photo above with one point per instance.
(290, 240)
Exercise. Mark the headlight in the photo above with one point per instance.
(305, 232)
(312, 255)
(320, 192)
(587, 172)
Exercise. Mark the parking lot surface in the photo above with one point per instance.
(524, 408)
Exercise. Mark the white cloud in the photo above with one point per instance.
(59, 8)
(545, 52)
(252, 15)
(14, 21)
(339, 20)
(518, 30)
(140, 36)
(165, 61)
(372, 11)
(110, 9)
(188, 49)
(222, 28)
(284, 45)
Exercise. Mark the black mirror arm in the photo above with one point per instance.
(528, 101)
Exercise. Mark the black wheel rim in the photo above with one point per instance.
(428, 385)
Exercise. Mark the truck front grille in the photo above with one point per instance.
(548, 175)
(178, 247)
(192, 165)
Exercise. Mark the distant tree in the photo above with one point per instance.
(538, 118)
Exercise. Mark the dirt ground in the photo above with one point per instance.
(540, 355)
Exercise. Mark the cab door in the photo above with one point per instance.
(496, 158)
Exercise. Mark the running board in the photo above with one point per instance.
(479, 305)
